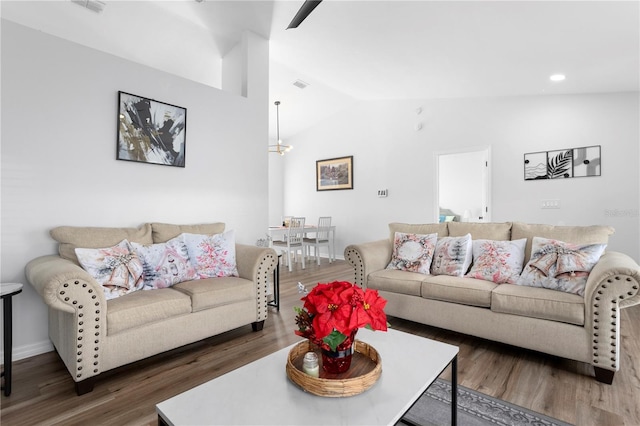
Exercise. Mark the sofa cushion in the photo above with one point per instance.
(538, 303)
(396, 281)
(413, 252)
(72, 237)
(117, 269)
(481, 231)
(557, 265)
(497, 261)
(595, 234)
(163, 232)
(453, 256)
(212, 255)
(467, 291)
(143, 307)
(212, 292)
(424, 228)
(165, 264)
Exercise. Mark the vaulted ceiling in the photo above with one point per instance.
(367, 50)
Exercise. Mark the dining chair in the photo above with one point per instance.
(322, 238)
(293, 241)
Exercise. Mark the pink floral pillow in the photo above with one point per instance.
(413, 252)
(117, 269)
(497, 261)
(212, 255)
(560, 266)
(452, 256)
(165, 264)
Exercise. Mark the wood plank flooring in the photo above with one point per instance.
(43, 392)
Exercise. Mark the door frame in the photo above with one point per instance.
(486, 198)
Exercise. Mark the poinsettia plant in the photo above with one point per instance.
(332, 314)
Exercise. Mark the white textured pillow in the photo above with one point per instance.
(497, 261)
(165, 264)
(560, 266)
(212, 255)
(413, 252)
(453, 256)
(117, 269)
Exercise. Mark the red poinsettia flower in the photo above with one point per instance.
(333, 312)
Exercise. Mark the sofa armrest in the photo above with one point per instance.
(257, 264)
(612, 285)
(64, 285)
(79, 330)
(368, 257)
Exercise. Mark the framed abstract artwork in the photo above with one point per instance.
(151, 131)
(334, 173)
(563, 163)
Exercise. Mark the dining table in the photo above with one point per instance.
(279, 232)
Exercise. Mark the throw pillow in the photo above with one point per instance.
(560, 266)
(413, 252)
(452, 256)
(212, 255)
(165, 264)
(117, 269)
(497, 261)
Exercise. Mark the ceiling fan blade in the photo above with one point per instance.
(304, 11)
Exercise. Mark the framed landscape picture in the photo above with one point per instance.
(151, 131)
(334, 173)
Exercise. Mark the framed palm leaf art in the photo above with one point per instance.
(563, 164)
(151, 131)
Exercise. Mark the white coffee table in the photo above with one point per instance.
(260, 393)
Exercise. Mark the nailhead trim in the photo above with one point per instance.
(629, 288)
(79, 307)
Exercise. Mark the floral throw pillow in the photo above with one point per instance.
(413, 252)
(165, 264)
(560, 266)
(497, 261)
(452, 256)
(212, 255)
(117, 269)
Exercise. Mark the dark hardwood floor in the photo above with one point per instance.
(43, 392)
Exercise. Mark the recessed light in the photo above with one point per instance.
(557, 77)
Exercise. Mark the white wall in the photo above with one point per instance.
(389, 153)
(59, 116)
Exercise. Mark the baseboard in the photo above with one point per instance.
(26, 351)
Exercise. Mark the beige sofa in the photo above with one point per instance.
(93, 335)
(583, 328)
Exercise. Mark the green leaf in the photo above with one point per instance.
(334, 339)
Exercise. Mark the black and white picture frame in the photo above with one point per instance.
(151, 131)
(563, 164)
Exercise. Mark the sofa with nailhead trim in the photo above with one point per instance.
(93, 335)
(582, 328)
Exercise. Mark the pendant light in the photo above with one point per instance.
(279, 148)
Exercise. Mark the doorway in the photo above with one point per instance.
(463, 187)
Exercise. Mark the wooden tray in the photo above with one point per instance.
(366, 367)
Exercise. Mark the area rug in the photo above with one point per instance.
(474, 409)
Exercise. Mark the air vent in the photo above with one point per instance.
(93, 5)
(300, 84)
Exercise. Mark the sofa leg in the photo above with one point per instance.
(258, 325)
(604, 376)
(85, 386)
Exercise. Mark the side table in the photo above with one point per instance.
(276, 286)
(7, 291)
